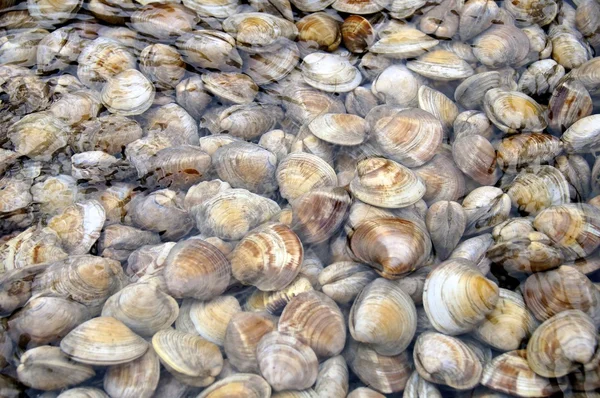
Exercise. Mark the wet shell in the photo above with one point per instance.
(234, 88)
(513, 111)
(20, 47)
(128, 93)
(268, 258)
(501, 45)
(568, 47)
(249, 121)
(379, 303)
(103, 341)
(210, 318)
(536, 189)
(258, 32)
(101, 60)
(441, 65)
(438, 105)
(473, 296)
(382, 243)
(360, 101)
(533, 12)
(213, 8)
(191, 359)
(319, 213)
(78, 226)
(404, 43)
(319, 31)
(191, 96)
(343, 281)
(521, 150)
(565, 288)
(561, 344)
(195, 268)
(58, 50)
(238, 386)
(386, 374)
(232, 213)
(475, 17)
(143, 308)
(443, 179)
(508, 325)
(446, 360)
(583, 136)
(178, 167)
(446, 222)
(572, 227)
(315, 319)
(485, 208)
(330, 72)
(110, 134)
(569, 103)
(410, 137)
(39, 135)
(47, 368)
(270, 67)
(470, 93)
(358, 33)
(163, 65)
(299, 173)
(541, 77)
(83, 392)
(385, 183)
(210, 49)
(138, 378)
(303, 104)
(510, 373)
(163, 21)
(578, 174)
(286, 363)
(242, 336)
(397, 85)
(475, 156)
(339, 128)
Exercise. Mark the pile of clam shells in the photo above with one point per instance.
(303, 198)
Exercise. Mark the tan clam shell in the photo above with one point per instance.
(364, 392)
(103, 341)
(195, 268)
(47, 368)
(443, 179)
(410, 136)
(191, 359)
(386, 374)
(582, 136)
(108, 133)
(191, 96)
(358, 33)
(274, 302)
(501, 45)
(360, 101)
(360, 7)
(248, 166)
(128, 93)
(319, 213)
(457, 296)
(258, 32)
(569, 103)
(446, 360)
(314, 319)
(384, 183)
(475, 17)
(332, 380)
(268, 257)
(386, 304)
(382, 243)
(508, 325)
(178, 167)
(330, 72)
(521, 150)
(163, 21)
(418, 387)
(270, 67)
(541, 77)
(344, 280)
(213, 8)
(307, 142)
(101, 60)
(299, 173)
(286, 363)
(578, 173)
(475, 156)
(209, 49)
(83, 392)
(587, 74)
(172, 123)
(441, 20)
(163, 65)
(32, 246)
(319, 31)
(230, 87)
(572, 227)
(38, 135)
(303, 104)
(238, 386)
(536, 189)
(77, 107)
(230, 214)
(438, 105)
(242, 336)
(441, 65)
(485, 208)
(396, 85)
(446, 222)
(339, 128)
(58, 315)
(470, 92)
(143, 308)
(562, 343)
(210, 318)
(513, 111)
(474, 250)
(138, 378)
(404, 43)
(510, 373)
(249, 121)
(565, 288)
(56, 193)
(88, 280)
(568, 47)
(161, 211)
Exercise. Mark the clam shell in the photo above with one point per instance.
(416, 386)
(533, 12)
(582, 136)
(299, 173)
(47, 368)
(242, 336)
(578, 174)
(319, 31)
(195, 268)
(440, 65)
(143, 308)
(191, 359)
(178, 167)
(38, 135)
(330, 72)
(474, 296)
(360, 7)
(470, 93)
(138, 378)
(231, 87)
(404, 43)
(438, 105)
(303, 104)
(385, 183)
(536, 189)
(541, 77)
(269, 257)
(446, 222)
(339, 128)
(397, 85)
(475, 156)
(446, 360)
(258, 32)
(210, 49)
(344, 280)
(314, 319)
(270, 67)
(513, 111)
(103, 341)
(332, 379)
(210, 318)
(485, 207)
(442, 178)
(102, 59)
(128, 93)
(214, 8)
(358, 33)
(568, 47)
(521, 150)
(286, 363)
(191, 96)
(163, 21)
(501, 45)
(569, 103)
(238, 386)
(382, 243)
(163, 65)
(377, 304)
(83, 392)
(475, 17)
